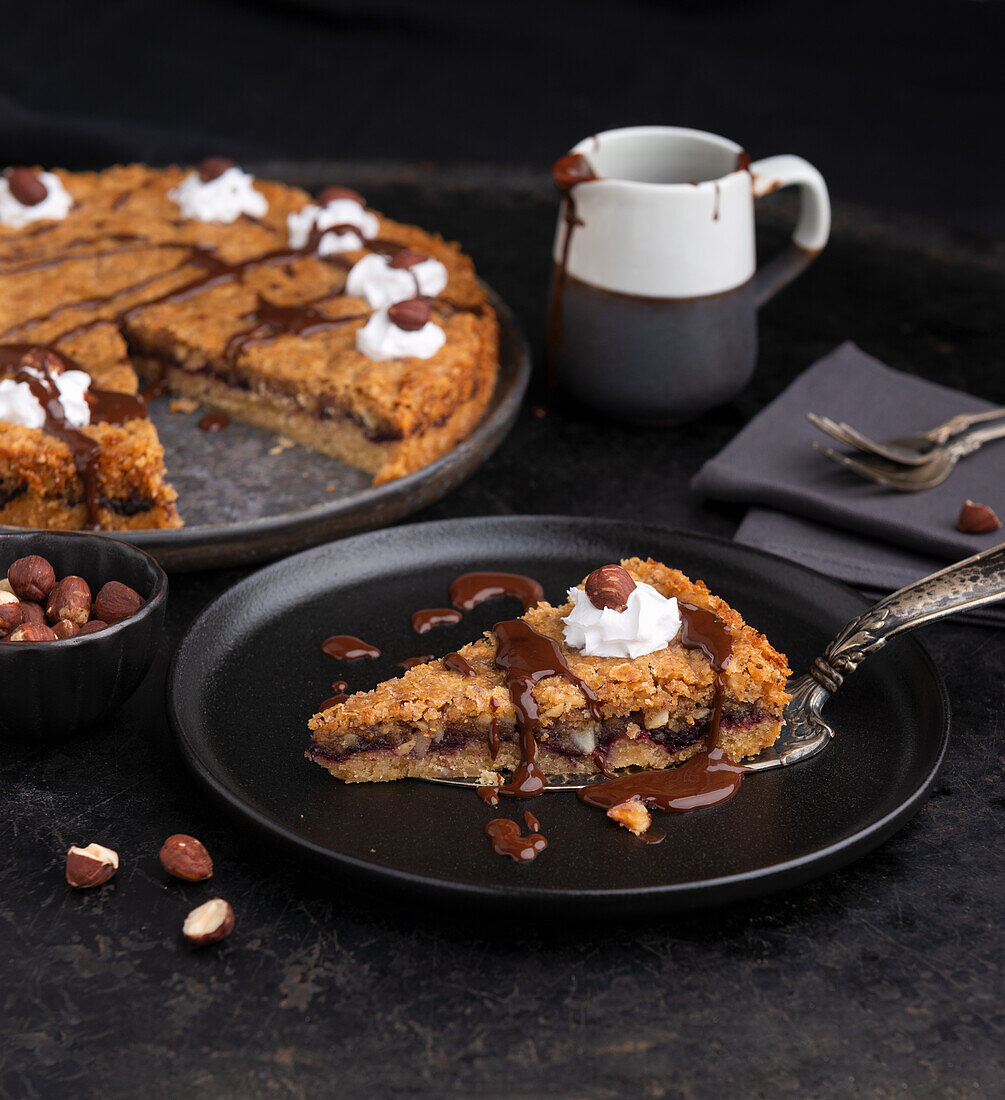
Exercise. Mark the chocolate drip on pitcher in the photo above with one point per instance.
(566, 172)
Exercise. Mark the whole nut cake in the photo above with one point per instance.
(316, 318)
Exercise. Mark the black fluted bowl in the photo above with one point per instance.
(57, 689)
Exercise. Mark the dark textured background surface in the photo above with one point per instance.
(881, 980)
(897, 104)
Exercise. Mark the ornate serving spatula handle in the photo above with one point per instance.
(961, 587)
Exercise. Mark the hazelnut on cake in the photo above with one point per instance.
(638, 668)
(318, 319)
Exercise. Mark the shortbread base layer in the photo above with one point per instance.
(461, 754)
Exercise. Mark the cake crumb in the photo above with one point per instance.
(488, 778)
(183, 405)
(633, 815)
(282, 444)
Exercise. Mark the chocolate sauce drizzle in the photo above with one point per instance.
(412, 662)
(106, 406)
(567, 172)
(707, 778)
(345, 647)
(339, 697)
(527, 657)
(424, 621)
(456, 663)
(470, 589)
(508, 841)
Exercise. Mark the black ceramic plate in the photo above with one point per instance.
(249, 673)
(244, 500)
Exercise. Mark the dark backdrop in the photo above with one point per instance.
(898, 104)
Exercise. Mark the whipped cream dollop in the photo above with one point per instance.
(56, 204)
(380, 338)
(649, 623)
(223, 199)
(338, 212)
(19, 406)
(374, 279)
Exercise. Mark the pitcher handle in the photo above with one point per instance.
(812, 227)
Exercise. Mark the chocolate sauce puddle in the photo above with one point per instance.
(566, 172)
(470, 589)
(424, 621)
(345, 647)
(707, 778)
(507, 840)
(413, 662)
(214, 421)
(527, 657)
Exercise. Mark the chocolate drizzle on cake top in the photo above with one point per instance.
(709, 777)
(527, 657)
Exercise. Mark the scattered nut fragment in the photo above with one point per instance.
(633, 815)
(115, 602)
(11, 616)
(90, 866)
(31, 632)
(92, 627)
(186, 858)
(977, 519)
(183, 405)
(209, 923)
(70, 599)
(610, 586)
(65, 629)
(31, 578)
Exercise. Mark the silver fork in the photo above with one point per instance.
(911, 479)
(970, 583)
(908, 450)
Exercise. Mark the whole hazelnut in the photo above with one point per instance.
(186, 858)
(610, 586)
(90, 866)
(213, 167)
(25, 186)
(209, 923)
(31, 578)
(93, 627)
(31, 632)
(332, 193)
(410, 315)
(32, 613)
(65, 629)
(11, 616)
(70, 599)
(115, 602)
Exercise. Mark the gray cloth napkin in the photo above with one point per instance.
(823, 516)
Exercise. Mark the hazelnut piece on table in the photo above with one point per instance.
(70, 600)
(610, 586)
(209, 923)
(116, 601)
(31, 578)
(186, 858)
(90, 866)
(977, 519)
